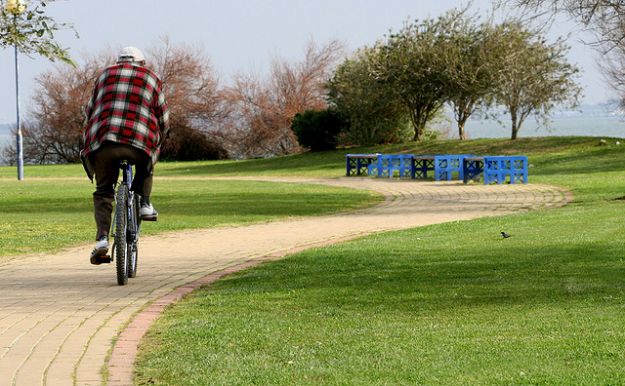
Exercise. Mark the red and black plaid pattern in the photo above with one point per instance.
(128, 106)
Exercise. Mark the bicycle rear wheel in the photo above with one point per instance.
(132, 263)
(121, 222)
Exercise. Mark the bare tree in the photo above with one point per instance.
(55, 129)
(192, 92)
(57, 110)
(261, 110)
(251, 118)
(604, 18)
(254, 123)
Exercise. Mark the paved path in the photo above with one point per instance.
(59, 314)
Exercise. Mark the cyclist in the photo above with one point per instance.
(126, 119)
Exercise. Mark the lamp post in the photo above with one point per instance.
(16, 8)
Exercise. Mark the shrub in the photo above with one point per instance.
(187, 144)
(318, 130)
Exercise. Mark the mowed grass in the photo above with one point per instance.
(47, 214)
(436, 305)
(449, 304)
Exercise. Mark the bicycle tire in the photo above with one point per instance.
(134, 248)
(134, 253)
(121, 247)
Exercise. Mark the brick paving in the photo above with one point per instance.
(59, 315)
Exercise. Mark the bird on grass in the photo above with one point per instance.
(504, 235)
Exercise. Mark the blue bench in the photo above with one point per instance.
(358, 164)
(497, 169)
(446, 167)
(449, 165)
(388, 164)
(422, 164)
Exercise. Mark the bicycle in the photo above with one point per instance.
(127, 222)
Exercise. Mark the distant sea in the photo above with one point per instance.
(5, 139)
(592, 126)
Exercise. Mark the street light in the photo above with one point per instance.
(16, 8)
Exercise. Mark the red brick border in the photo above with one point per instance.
(122, 359)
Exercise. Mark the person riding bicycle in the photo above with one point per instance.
(126, 119)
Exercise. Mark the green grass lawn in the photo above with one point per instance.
(449, 304)
(46, 214)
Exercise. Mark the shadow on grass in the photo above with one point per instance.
(273, 204)
(267, 204)
(41, 206)
(399, 282)
(610, 159)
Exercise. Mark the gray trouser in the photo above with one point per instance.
(105, 162)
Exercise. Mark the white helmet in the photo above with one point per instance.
(130, 54)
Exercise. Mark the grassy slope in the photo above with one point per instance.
(445, 304)
(332, 163)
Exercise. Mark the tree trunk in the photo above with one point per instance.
(463, 109)
(421, 116)
(461, 133)
(418, 133)
(418, 125)
(515, 124)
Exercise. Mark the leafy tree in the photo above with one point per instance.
(411, 62)
(470, 72)
(534, 75)
(25, 25)
(375, 113)
(318, 130)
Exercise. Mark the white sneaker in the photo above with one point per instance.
(148, 213)
(102, 244)
(100, 251)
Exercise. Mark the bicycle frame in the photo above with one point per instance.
(134, 225)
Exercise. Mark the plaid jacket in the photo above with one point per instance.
(128, 106)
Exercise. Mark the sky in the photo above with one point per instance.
(244, 35)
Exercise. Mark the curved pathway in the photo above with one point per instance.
(59, 315)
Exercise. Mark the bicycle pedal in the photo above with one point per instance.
(97, 260)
